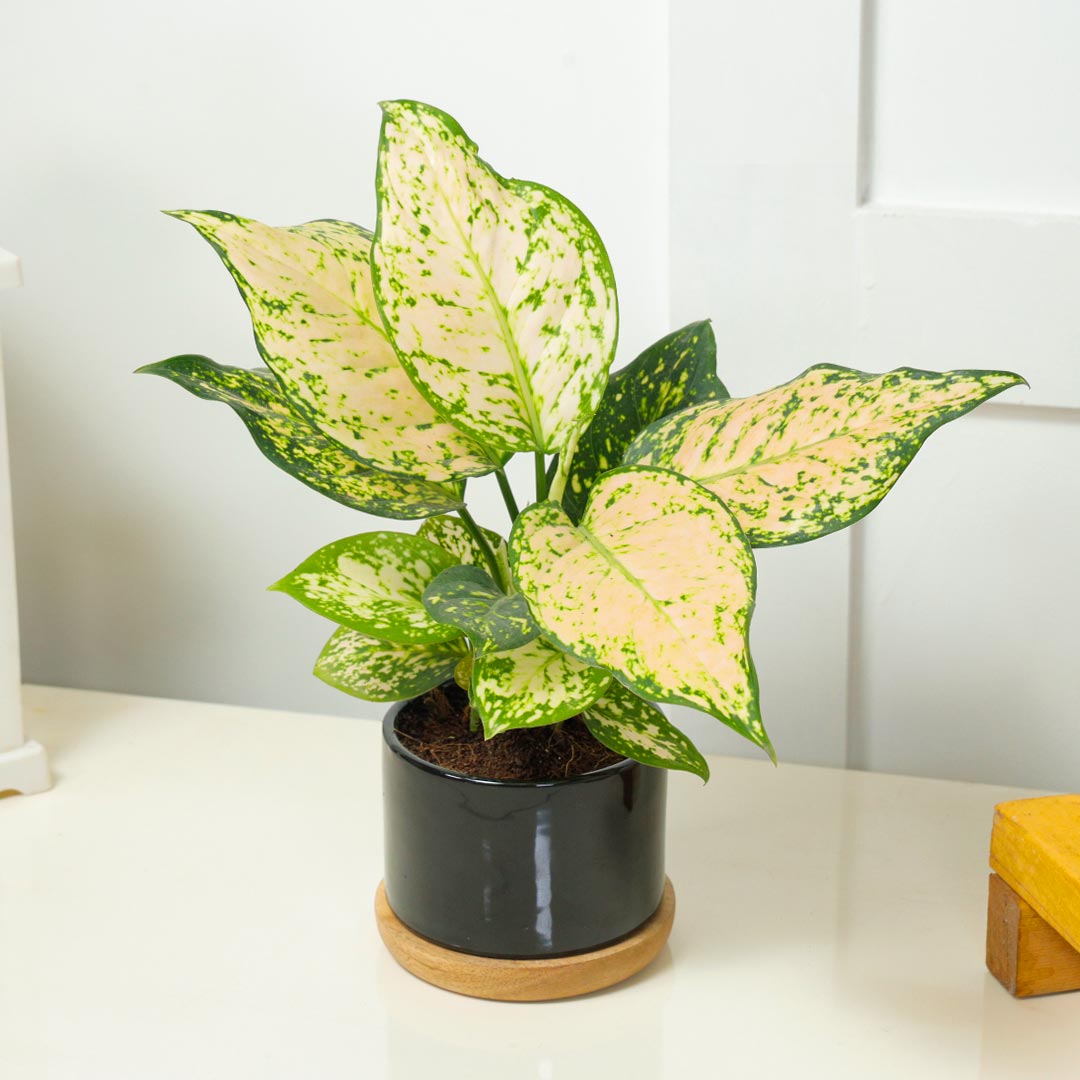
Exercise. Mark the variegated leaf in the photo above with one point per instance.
(450, 534)
(818, 453)
(386, 670)
(677, 371)
(373, 583)
(308, 289)
(639, 730)
(532, 685)
(292, 444)
(468, 598)
(656, 583)
(497, 293)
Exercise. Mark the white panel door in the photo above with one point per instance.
(764, 109)
(965, 630)
(890, 183)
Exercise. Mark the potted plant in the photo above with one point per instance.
(525, 761)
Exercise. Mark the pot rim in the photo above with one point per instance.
(396, 746)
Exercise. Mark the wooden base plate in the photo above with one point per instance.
(525, 980)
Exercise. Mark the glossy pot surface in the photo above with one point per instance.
(517, 869)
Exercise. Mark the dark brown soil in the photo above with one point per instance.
(436, 728)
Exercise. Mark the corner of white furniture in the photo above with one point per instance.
(25, 770)
(23, 765)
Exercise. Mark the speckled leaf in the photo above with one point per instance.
(373, 583)
(468, 598)
(292, 444)
(533, 685)
(308, 289)
(638, 729)
(656, 583)
(677, 371)
(386, 670)
(497, 293)
(818, 453)
(450, 534)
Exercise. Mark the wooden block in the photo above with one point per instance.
(524, 980)
(1035, 847)
(1023, 951)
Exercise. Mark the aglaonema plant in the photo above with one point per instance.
(479, 321)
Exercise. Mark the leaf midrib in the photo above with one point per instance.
(634, 580)
(517, 365)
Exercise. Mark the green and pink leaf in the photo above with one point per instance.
(818, 453)
(497, 294)
(655, 584)
(308, 290)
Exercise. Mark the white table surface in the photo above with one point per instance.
(193, 900)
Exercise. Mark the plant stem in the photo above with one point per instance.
(482, 543)
(541, 477)
(508, 495)
(562, 474)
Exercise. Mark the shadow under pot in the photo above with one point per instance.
(516, 869)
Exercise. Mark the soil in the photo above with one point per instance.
(435, 727)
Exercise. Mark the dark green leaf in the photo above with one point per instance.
(468, 598)
(301, 450)
(677, 371)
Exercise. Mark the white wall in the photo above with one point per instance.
(148, 525)
(873, 182)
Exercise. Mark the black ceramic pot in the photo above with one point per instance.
(521, 870)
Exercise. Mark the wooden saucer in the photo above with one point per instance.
(525, 980)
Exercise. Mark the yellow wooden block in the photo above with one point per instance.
(1023, 951)
(1035, 847)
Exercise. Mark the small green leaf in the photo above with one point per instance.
(299, 449)
(818, 453)
(532, 685)
(656, 584)
(450, 534)
(625, 723)
(677, 371)
(373, 583)
(308, 290)
(497, 294)
(468, 598)
(463, 671)
(386, 670)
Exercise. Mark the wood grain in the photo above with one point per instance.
(525, 980)
(1035, 847)
(1023, 951)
